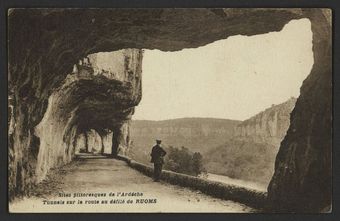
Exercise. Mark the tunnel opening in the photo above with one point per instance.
(230, 101)
(94, 142)
(42, 86)
(90, 112)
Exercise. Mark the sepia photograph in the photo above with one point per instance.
(169, 110)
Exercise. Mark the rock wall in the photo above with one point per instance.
(269, 126)
(86, 103)
(250, 153)
(303, 170)
(44, 44)
(53, 150)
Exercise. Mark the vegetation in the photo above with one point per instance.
(183, 161)
(241, 159)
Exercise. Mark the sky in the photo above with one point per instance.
(233, 78)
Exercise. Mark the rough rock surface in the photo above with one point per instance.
(250, 153)
(269, 126)
(84, 111)
(44, 45)
(303, 170)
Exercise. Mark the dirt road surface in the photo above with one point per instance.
(125, 190)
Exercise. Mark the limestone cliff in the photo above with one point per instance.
(269, 126)
(250, 153)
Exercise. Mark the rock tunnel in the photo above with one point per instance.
(57, 100)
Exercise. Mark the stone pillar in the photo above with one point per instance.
(86, 142)
(115, 141)
(120, 139)
(102, 142)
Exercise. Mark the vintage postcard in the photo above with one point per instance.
(209, 110)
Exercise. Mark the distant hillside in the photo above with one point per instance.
(197, 134)
(238, 149)
(246, 160)
(250, 153)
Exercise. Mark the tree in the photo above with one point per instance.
(183, 161)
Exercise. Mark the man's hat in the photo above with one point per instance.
(158, 141)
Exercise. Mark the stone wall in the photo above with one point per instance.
(250, 197)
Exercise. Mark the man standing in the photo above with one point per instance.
(157, 158)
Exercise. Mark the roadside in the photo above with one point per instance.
(105, 176)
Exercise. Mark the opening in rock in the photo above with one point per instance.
(229, 100)
(90, 112)
(59, 106)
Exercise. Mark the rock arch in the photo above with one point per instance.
(44, 45)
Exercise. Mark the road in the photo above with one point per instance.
(125, 190)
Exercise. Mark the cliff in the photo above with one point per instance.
(250, 153)
(204, 134)
(239, 149)
(269, 126)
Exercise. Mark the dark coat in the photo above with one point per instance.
(157, 154)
